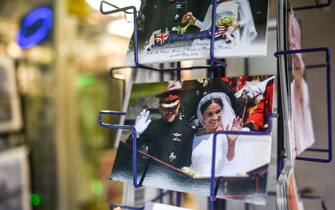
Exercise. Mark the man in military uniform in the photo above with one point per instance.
(169, 138)
(258, 117)
(175, 12)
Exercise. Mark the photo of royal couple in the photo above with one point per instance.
(175, 123)
(171, 30)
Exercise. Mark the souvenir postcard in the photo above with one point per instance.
(287, 192)
(160, 206)
(174, 30)
(281, 188)
(175, 123)
(292, 192)
(301, 116)
(302, 123)
(14, 179)
(10, 116)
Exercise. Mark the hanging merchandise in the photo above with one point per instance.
(302, 125)
(287, 190)
(181, 29)
(178, 126)
(303, 132)
(294, 32)
(293, 200)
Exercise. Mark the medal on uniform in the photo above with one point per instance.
(172, 157)
(176, 136)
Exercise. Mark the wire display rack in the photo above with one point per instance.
(217, 64)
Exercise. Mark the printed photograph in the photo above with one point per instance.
(301, 116)
(14, 184)
(10, 118)
(171, 30)
(292, 194)
(175, 123)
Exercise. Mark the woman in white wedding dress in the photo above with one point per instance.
(215, 114)
(242, 20)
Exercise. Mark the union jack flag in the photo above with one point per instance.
(161, 38)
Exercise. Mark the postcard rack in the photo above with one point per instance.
(215, 65)
(283, 69)
(329, 101)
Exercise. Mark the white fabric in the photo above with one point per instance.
(254, 89)
(160, 206)
(202, 145)
(302, 125)
(294, 32)
(228, 114)
(202, 155)
(246, 21)
(238, 8)
(251, 152)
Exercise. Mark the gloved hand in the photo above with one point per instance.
(142, 122)
(247, 90)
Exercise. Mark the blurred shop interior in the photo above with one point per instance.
(62, 81)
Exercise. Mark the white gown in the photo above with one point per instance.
(303, 132)
(238, 8)
(202, 155)
(224, 9)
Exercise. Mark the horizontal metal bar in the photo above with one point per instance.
(318, 160)
(317, 150)
(313, 197)
(272, 193)
(113, 126)
(144, 67)
(182, 68)
(111, 112)
(246, 133)
(112, 206)
(313, 66)
(305, 50)
(316, 6)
